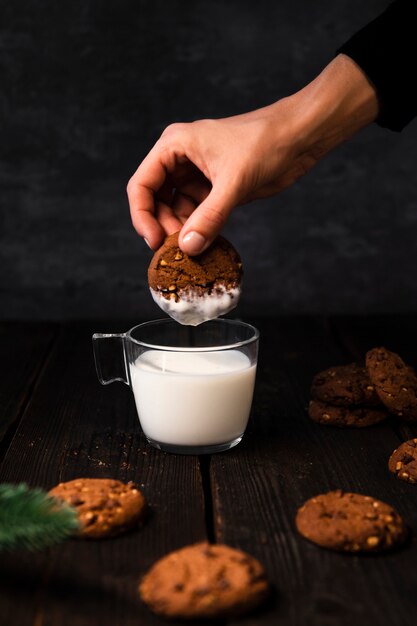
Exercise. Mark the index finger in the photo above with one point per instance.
(141, 189)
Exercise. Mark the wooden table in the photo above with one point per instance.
(58, 423)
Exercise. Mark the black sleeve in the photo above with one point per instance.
(386, 50)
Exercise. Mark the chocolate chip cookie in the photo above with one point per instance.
(204, 581)
(394, 381)
(105, 507)
(344, 385)
(403, 461)
(350, 522)
(195, 289)
(342, 416)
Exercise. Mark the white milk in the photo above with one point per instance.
(191, 398)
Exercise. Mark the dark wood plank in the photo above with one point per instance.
(285, 459)
(75, 427)
(23, 350)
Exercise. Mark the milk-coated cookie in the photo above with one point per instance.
(105, 507)
(204, 581)
(195, 289)
(345, 416)
(344, 385)
(403, 461)
(394, 381)
(350, 522)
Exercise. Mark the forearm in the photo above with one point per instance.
(334, 106)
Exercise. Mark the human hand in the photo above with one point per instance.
(198, 172)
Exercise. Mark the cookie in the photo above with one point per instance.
(195, 289)
(344, 385)
(403, 461)
(204, 581)
(105, 507)
(394, 381)
(343, 416)
(350, 522)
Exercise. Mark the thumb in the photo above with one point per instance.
(207, 220)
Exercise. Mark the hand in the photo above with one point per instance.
(198, 172)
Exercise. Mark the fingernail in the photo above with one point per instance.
(194, 242)
(147, 243)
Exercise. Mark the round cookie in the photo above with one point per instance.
(403, 461)
(105, 507)
(204, 581)
(394, 381)
(344, 385)
(195, 289)
(350, 522)
(342, 416)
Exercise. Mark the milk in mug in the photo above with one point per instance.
(193, 398)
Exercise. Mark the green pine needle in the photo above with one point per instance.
(31, 519)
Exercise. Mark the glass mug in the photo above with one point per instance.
(193, 386)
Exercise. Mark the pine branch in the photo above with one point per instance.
(31, 519)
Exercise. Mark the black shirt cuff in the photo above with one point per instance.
(386, 50)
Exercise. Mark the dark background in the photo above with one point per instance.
(88, 86)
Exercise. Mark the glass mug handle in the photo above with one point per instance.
(110, 357)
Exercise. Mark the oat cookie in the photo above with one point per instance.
(394, 381)
(342, 416)
(195, 289)
(403, 461)
(105, 507)
(344, 385)
(204, 581)
(350, 522)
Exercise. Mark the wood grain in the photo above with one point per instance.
(75, 427)
(71, 426)
(23, 350)
(285, 459)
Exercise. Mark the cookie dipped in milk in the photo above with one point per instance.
(193, 290)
